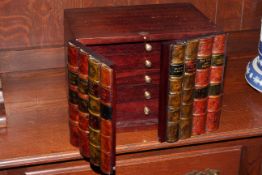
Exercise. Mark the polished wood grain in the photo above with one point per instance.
(243, 44)
(226, 160)
(28, 105)
(33, 23)
(207, 7)
(20, 38)
(36, 103)
(18, 18)
(38, 132)
(45, 58)
(129, 63)
(229, 14)
(32, 59)
(252, 13)
(249, 149)
(160, 22)
(96, 26)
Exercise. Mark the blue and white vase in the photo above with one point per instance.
(254, 69)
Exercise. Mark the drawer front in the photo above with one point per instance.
(225, 160)
(132, 114)
(137, 84)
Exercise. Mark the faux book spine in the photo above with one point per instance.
(201, 85)
(107, 136)
(175, 79)
(73, 54)
(185, 129)
(194, 83)
(83, 104)
(94, 112)
(181, 81)
(91, 103)
(216, 83)
(100, 107)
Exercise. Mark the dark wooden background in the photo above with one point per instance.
(31, 31)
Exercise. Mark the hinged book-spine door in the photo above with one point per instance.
(93, 127)
(190, 88)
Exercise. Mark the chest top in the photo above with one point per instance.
(106, 25)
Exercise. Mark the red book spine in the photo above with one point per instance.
(201, 85)
(73, 53)
(216, 83)
(107, 150)
(83, 98)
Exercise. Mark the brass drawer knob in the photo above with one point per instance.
(148, 47)
(147, 95)
(148, 79)
(146, 110)
(148, 64)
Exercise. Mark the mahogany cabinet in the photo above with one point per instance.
(37, 138)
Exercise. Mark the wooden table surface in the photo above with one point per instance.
(36, 104)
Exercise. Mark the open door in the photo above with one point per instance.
(92, 111)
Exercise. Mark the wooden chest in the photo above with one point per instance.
(131, 42)
(121, 34)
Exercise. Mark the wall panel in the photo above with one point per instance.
(207, 7)
(229, 14)
(32, 23)
(32, 59)
(252, 13)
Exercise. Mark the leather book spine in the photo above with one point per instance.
(101, 121)
(94, 66)
(216, 83)
(106, 120)
(201, 85)
(185, 123)
(83, 124)
(176, 69)
(72, 67)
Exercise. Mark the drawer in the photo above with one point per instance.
(131, 114)
(137, 77)
(63, 168)
(127, 94)
(129, 59)
(225, 160)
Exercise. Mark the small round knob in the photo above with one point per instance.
(148, 63)
(148, 47)
(147, 95)
(148, 79)
(146, 110)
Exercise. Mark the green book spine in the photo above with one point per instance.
(176, 69)
(94, 102)
(185, 123)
